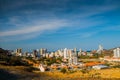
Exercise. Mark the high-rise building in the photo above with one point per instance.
(75, 52)
(70, 61)
(43, 51)
(35, 53)
(38, 53)
(60, 52)
(70, 53)
(75, 60)
(80, 52)
(19, 52)
(65, 53)
(116, 53)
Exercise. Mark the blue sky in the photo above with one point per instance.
(56, 24)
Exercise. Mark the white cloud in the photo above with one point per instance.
(88, 11)
(19, 37)
(88, 34)
(49, 25)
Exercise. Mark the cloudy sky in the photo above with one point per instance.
(55, 24)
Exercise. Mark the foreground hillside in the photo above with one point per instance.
(19, 68)
(26, 73)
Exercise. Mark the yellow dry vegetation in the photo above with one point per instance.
(108, 73)
(97, 74)
(59, 74)
(104, 73)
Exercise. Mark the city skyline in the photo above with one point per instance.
(59, 24)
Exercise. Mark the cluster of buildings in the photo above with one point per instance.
(68, 55)
(65, 53)
(116, 56)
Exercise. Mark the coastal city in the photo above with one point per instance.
(94, 64)
(69, 58)
(59, 39)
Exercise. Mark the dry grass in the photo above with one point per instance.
(97, 74)
(105, 74)
(108, 73)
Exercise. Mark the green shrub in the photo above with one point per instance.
(63, 70)
(29, 69)
(116, 66)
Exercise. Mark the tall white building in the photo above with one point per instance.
(60, 52)
(75, 60)
(75, 52)
(43, 51)
(65, 53)
(100, 49)
(19, 52)
(71, 55)
(116, 52)
(70, 61)
(80, 52)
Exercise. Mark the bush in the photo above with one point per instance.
(63, 70)
(84, 71)
(116, 66)
(16, 61)
(30, 69)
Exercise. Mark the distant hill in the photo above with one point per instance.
(4, 52)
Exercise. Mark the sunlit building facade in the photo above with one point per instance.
(116, 53)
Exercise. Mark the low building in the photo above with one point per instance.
(99, 67)
(42, 69)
